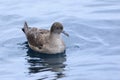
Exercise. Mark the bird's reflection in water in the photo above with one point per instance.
(46, 62)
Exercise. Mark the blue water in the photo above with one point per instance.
(93, 48)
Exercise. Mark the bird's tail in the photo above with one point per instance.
(25, 28)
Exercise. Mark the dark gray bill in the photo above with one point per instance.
(65, 33)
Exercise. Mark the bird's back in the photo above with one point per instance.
(37, 37)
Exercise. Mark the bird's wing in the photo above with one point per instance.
(37, 37)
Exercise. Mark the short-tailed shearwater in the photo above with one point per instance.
(45, 41)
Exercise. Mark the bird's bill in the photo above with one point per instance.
(65, 33)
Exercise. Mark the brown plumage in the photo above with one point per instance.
(45, 41)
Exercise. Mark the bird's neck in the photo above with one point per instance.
(56, 42)
(54, 36)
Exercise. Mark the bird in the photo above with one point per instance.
(45, 41)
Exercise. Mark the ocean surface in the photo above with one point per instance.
(93, 47)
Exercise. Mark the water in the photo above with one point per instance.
(92, 49)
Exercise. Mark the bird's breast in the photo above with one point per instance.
(57, 45)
